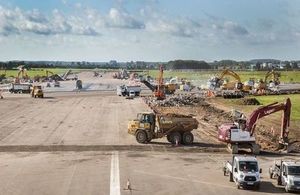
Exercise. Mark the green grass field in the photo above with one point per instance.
(37, 71)
(295, 99)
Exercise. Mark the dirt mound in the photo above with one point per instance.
(248, 101)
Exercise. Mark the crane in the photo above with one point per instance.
(241, 133)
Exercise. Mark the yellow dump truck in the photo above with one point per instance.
(37, 91)
(177, 128)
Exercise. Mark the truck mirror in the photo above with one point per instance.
(235, 170)
(260, 170)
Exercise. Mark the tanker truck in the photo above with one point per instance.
(177, 128)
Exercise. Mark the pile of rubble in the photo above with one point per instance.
(249, 101)
(177, 100)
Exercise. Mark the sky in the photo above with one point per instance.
(149, 30)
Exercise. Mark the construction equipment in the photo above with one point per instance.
(37, 91)
(19, 88)
(23, 73)
(125, 90)
(287, 173)
(218, 81)
(177, 128)
(240, 134)
(244, 171)
(78, 84)
(262, 86)
(160, 90)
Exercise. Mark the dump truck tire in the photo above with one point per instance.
(141, 136)
(169, 138)
(175, 136)
(234, 149)
(255, 149)
(187, 138)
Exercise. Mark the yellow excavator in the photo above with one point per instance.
(262, 85)
(23, 73)
(219, 81)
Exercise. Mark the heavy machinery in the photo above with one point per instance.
(218, 82)
(287, 173)
(78, 84)
(19, 88)
(160, 90)
(240, 134)
(23, 73)
(37, 91)
(177, 128)
(244, 171)
(262, 86)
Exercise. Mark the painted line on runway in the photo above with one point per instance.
(115, 174)
(186, 179)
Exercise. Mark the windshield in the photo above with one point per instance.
(248, 166)
(293, 170)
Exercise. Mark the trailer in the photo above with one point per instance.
(287, 173)
(244, 171)
(20, 88)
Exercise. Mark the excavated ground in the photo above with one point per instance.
(211, 114)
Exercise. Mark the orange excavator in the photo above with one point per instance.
(159, 89)
(241, 133)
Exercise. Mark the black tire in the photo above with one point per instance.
(257, 187)
(169, 138)
(187, 138)
(175, 136)
(230, 177)
(279, 181)
(141, 136)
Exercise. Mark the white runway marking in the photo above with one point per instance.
(115, 174)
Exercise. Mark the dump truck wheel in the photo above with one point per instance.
(169, 138)
(175, 136)
(141, 136)
(187, 138)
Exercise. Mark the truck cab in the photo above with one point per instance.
(244, 171)
(289, 176)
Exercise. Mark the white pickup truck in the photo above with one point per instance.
(244, 171)
(287, 173)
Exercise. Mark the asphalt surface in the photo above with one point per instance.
(77, 143)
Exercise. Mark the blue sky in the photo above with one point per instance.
(150, 30)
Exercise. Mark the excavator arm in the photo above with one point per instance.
(268, 110)
(230, 73)
(275, 76)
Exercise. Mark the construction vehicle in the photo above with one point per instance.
(23, 73)
(240, 134)
(56, 84)
(19, 88)
(125, 90)
(287, 173)
(244, 171)
(160, 90)
(177, 128)
(262, 86)
(219, 82)
(78, 84)
(37, 91)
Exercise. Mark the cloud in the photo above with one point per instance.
(17, 21)
(121, 19)
(181, 28)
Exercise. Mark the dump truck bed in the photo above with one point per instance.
(174, 122)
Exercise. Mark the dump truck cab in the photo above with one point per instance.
(37, 91)
(177, 128)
